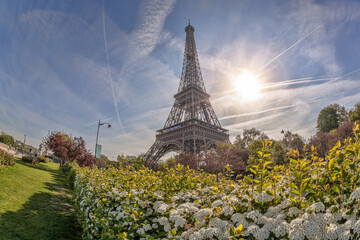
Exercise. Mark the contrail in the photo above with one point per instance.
(296, 43)
(279, 84)
(331, 80)
(109, 70)
(296, 81)
(267, 110)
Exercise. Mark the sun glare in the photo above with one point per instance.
(247, 85)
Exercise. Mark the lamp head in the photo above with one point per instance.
(109, 125)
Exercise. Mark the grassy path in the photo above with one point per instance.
(34, 203)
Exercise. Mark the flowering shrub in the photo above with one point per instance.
(43, 159)
(6, 159)
(311, 198)
(30, 159)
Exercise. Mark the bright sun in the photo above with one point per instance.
(247, 85)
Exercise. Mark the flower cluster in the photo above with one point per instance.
(310, 199)
(107, 209)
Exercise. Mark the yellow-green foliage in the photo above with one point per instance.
(43, 159)
(310, 198)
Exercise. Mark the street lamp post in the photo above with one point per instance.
(97, 134)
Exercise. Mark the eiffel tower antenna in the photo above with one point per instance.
(192, 125)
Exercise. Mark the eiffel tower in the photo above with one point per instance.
(192, 125)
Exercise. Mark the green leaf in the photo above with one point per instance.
(232, 231)
(267, 163)
(292, 199)
(296, 192)
(337, 189)
(253, 171)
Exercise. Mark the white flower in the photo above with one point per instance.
(162, 221)
(175, 198)
(196, 236)
(160, 207)
(218, 223)
(233, 200)
(318, 207)
(167, 227)
(209, 233)
(147, 227)
(264, 197)
(180, 222)
(355, 195)
(333, 232)
(140, 231)
(357, 227)
(216, 203)
(311, 229)
(294, 211)
(251, 230)
(337, 216)
(193, 209)
(262, 234)
(262, 220)
(272, 212)
(296, 234)
(296, 223)
(329, 218)
(280, 229)
(346, 235)
(203, 213)
(286, 203)
(236, 217)
(349, 224)
(227, 211)
(253, 215)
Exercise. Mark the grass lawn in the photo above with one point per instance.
(35, 203)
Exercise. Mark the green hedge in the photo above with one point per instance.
(30, 159)
(6, 159)
(70, 171)
(43, 159)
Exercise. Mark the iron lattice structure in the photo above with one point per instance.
(192, 125)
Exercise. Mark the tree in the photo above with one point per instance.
(278, 153)
(254, 149)
(345, 131)
(168, 164)
(131, 162)
(293, 141)
(331, 117)
(354, 113)
(343, 115)
(102, 162)
(248, 136)
(226, 154)
(69, 149)
(327, 120)
(187, 159)
(8, 140)
(323, 142)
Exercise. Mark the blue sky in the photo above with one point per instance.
(55, 73)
